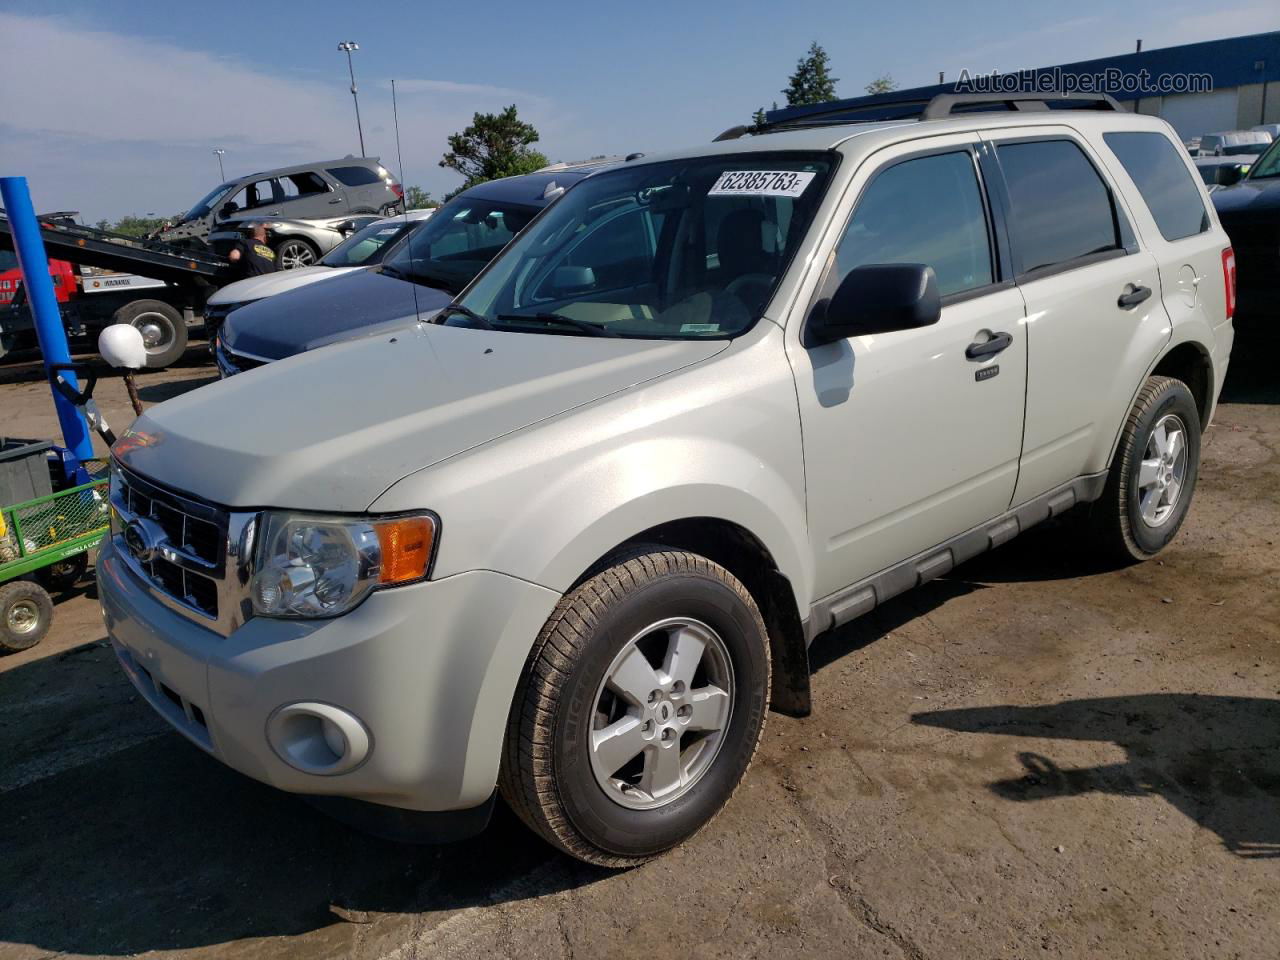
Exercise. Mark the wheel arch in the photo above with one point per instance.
(1190, 362)
(745, 555)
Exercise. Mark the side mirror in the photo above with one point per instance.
(227, 209)
(120, 344)
(570, 279)
(1229, 173)
(878, 298)
(346, 227)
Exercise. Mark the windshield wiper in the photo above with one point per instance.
(582, 326)
(482, 322)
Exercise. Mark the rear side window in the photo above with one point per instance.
(302, 185)
(355, 176)
(927, 210)
(1062, 210)
(1162, 178)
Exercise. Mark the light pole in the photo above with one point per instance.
(347, 46)
(222, 177)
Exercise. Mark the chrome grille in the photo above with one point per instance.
(181, 548)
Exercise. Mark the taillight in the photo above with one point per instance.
(1229, 280)
(397, 190)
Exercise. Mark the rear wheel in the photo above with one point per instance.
(25, 614)
(296, 252)
(1154, 473)
(64, 574)
(642, 703)
(164, 333)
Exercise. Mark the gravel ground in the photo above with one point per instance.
(1037, 756)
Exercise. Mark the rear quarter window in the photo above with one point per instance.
(355, 176)
(1167, 187)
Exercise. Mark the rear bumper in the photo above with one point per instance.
(428, 670)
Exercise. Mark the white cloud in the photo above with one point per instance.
(127, 124)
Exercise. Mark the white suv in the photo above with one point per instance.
(572, 538)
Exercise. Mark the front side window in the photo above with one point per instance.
(684, 249)
(1062, 210)
(1162, 178)
(925, 210)
(458, 242)
(367, 246)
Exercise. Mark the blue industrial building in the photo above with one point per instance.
(1199, 88)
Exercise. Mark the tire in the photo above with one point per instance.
(163, 330)
(1138, 516)
(64, 574)
(295, 252)
(646, 602)
(25, 614)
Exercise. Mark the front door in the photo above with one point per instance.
(909, 439)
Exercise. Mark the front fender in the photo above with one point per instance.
(719, 440)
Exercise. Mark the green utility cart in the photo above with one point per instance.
(44, 544)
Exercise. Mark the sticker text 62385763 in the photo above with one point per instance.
(761, 183)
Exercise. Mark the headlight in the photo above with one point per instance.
(315, 566)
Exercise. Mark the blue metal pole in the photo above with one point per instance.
(44, 308)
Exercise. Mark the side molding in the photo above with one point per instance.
(864, 596)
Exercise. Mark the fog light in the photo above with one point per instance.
(318, 738)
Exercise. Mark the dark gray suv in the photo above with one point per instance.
(329, 188)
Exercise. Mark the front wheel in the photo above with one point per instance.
(295, 252)
(640, 709)
(25, 614)
(1153, 474)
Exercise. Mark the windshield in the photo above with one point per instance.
(369, 245)
(1268, 165)
(686, 249)
(457, 242)
(207, 203)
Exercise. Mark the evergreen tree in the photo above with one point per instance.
(812, 81)
(495, 145)
(882, 84)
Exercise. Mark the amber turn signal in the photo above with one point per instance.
(407, 544)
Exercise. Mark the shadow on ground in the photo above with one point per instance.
(159, 847)
(1216, 759)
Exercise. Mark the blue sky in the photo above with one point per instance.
(113, 108)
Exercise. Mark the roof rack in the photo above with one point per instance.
(943, 105)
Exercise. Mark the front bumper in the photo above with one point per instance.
(429, 669)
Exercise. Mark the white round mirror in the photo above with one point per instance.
(121, 346)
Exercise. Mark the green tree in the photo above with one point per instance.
(812, 82)
(882, 84)
(138, 226)
(759, 119)
(415, 198)
(495, 145)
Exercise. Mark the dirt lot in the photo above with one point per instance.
(1035, 757)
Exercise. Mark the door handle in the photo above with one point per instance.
(988, 348)
(1133, 295)
(336, 200)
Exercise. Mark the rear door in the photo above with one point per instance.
(305, 195)
(1095, 319)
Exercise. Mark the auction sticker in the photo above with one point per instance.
(761, 183)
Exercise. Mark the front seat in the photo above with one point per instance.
(747, 267)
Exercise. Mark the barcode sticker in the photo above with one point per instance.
(761, 183)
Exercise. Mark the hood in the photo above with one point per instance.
(334, 428)
(269, 284)
(320, 313)
(1248, 200)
